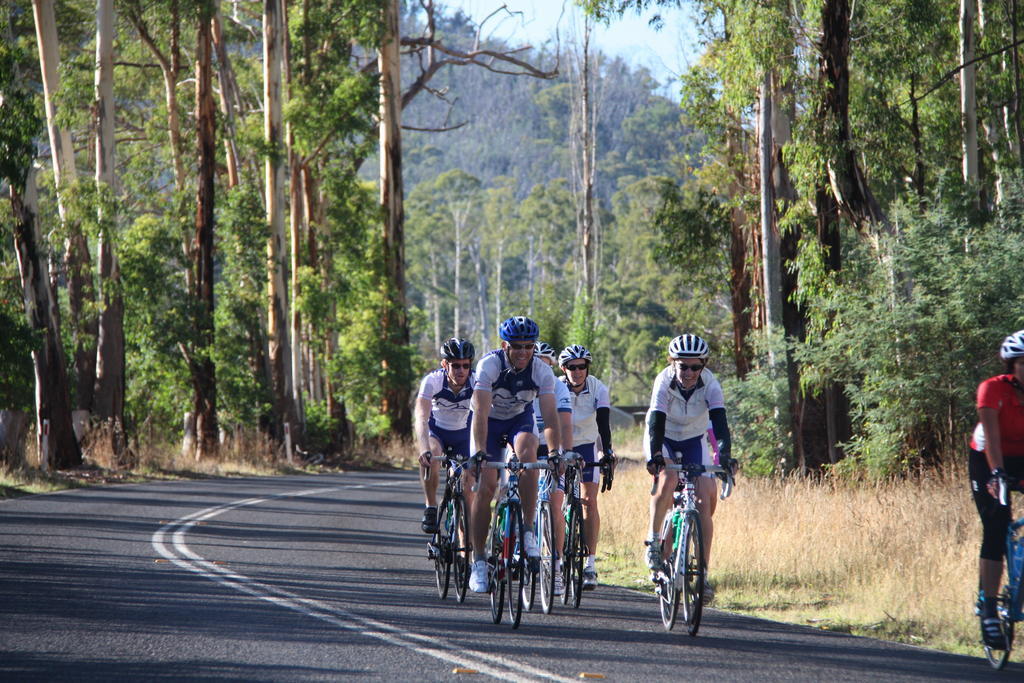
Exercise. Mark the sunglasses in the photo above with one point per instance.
(520, 347)
(460, 366)
(692, 368)
(576, 367)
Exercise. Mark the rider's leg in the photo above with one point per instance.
(591, 517)
(525, 443)
(661, 501)
(434, 474)
(707, 499)
(481, 516)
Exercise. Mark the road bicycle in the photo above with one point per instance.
(449, 547)
(683, 572)
(1010, 601)
(507, 565)
(574, 547)
(545, 574)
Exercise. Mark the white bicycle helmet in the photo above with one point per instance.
(545, 350)
(571, 353)
(1013, 346)
(688, 346)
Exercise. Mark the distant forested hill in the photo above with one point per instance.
(518, 126)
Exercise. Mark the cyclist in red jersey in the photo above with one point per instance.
(997, 451)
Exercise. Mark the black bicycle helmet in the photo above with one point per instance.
(457, 348)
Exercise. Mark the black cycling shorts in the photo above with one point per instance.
(995, 518)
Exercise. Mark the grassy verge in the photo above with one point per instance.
(893, 559)
(248, 455)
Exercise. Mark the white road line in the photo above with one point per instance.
(432, 645)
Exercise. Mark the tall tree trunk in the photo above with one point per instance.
(968, 111)
(204, 380)
(229, 98)
(277, 315)
(395, 323)
(457, 283)
(110, 378)
(297, 228)
(769, 236)
(845, 188)
(77, 260)
(52, 404)
(586, 143)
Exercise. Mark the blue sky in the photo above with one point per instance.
(665, 53)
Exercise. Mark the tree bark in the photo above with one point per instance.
(769, 235)
(110, 361)
(52, 403)
(395, 323)
(229, 99)
(277, 310)
(204, 380)
(77, 260)
(968, 110)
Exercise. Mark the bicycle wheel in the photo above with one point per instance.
(530, 579)
(998, 658)
(516, 569)
(691, 552)
(668, 588)
(442, 549)
(460, 549)
(495, 581)
(546, 576)
(578, 549)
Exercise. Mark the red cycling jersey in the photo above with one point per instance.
(999, 394)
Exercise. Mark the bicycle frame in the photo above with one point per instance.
(1010, 600)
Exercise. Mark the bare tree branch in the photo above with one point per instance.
(436, 130)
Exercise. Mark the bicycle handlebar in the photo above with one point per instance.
(512, 465)
(1006, 485)
(717, 470)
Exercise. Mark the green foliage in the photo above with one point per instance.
(17, 379)
(19, 120)
(243, 395)
(916, 323)
(156, 320)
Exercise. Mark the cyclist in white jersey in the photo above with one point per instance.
(507, 381)
(443, 413)
(591, 409)
(563, 401)
(685, 397)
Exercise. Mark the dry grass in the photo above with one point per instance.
(892, 559)
(245, 453)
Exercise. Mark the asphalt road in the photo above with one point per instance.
(326, 578)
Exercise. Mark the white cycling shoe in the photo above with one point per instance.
(531, 544)
(478, 579)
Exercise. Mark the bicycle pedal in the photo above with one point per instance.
(432, 551)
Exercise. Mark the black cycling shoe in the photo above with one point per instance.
(429, 521)
(992, 633)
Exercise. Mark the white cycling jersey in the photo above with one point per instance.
(563, 403)
(685, 418)
(512, 391)
(584, 409)
(447, 409)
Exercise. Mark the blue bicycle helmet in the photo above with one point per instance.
(457, 348)
(518, 328)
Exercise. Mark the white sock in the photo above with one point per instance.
(591, 559)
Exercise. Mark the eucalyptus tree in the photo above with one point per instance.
(110, 359)
(77, 258)
(19, 126)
